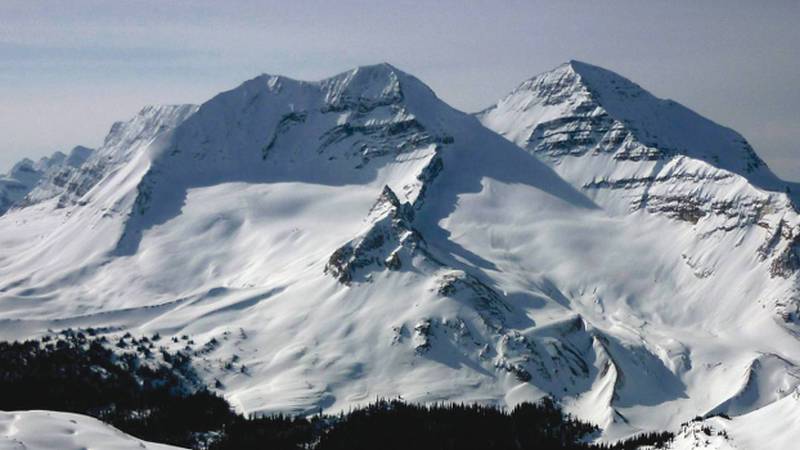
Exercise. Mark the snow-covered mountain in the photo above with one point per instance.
(631, 151)
(26, 175)
(357, 237)
(642, 157)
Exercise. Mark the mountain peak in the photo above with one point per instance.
(359, 89)
(78, 155)
(23, 165)
(381, 68)
(373, 85)
(578, 82)
(596, 77)
(27, 175)
(579, 89)
(377, 73)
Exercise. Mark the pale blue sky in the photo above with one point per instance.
(68, 69)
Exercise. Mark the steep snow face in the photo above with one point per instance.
(26, 175)
(356, 237)
(47, 430)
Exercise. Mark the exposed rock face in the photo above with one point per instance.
(287, 121)
(787, 261)
(460, 285)
(388, 241)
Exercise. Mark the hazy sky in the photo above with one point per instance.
(68, 69)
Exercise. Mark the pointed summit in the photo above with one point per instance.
(577, 81)
(601, 80)
(604, 99)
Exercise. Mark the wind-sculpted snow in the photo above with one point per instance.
(356, 237)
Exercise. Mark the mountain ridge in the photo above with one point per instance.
(357, 237)
(26, 175)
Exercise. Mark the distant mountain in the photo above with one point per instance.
(356, 237)
(27, 175)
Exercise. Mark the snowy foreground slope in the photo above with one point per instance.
(47, 430)
(771, 427)
(356, 237)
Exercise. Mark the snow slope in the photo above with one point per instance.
(770, 427)
(48, 430)
(356, 237)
